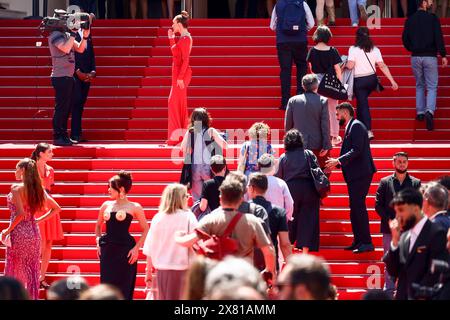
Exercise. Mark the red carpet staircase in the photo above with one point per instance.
(236, 78)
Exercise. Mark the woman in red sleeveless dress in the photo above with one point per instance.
(181, 77)
(51, 229)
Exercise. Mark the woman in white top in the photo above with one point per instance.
(170, 260)
(364, 56)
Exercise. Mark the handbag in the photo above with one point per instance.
(331, 87)
(199, 214)
(321, 181)
(186, 171)
(379, 86)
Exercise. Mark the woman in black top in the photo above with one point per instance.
(294, 169)
(322, 58)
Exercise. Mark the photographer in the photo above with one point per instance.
(84, 73)
(62, 45)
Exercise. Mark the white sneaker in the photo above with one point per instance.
(354, 25)
(370, 135)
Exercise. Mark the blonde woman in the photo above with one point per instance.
(170, 260)
(254, 148)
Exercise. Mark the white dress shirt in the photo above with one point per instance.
(309, 18)
(278, 194)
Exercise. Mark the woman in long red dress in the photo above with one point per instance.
(51, 229)
(181, 77)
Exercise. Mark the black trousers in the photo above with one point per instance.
(288, 53)
(359, 217)
(305, 228)
(63, 103)
(80, 95)
(362, 88)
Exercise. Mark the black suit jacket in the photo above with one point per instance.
(414, 267)
(355, 157)
(386, 189)
(85, 61)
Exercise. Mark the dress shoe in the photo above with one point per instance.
(62, 142)
(352, 247)
(420, 117)
(429, 121)
(362, 12)
(77, 139)
(364, 248)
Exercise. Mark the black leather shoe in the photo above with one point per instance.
(429, 121)
(62, 142)
(364, 248)
(420, 117)
(78, 139)
(352, 247)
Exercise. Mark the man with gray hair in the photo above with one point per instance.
(308, 113)
(435, 202)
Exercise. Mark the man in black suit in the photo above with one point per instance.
(358, 168)
(387, 188)
(435, 200)
(416, 241)
(85, 71)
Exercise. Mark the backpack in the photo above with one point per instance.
(293, 18)
(218, 247)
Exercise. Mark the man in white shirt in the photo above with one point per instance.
(416, 241)
(278, 191)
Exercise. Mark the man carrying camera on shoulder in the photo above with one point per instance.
(62, 46)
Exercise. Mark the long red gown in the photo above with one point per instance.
(177, 112)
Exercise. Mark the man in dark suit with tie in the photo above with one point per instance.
(358, 169)
(416, 241)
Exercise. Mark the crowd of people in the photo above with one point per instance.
(268, 208)
(243, 248)
(144, 9)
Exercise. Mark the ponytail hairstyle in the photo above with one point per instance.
(41, 147)
(182, 18)
(34, 192)
(122, 179)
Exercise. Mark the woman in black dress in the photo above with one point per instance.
(294, 169)
(117, 249)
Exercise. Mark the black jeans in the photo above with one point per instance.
(362, 88)
(63, 102)
(287, 53)
(357, 192)
(81, 91)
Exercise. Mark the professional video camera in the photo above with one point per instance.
(440, 267)
(65, 22)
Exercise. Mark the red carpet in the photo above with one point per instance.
(236, 78)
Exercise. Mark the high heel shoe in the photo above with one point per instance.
(44, 285)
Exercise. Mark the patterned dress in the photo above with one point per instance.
(22, 258)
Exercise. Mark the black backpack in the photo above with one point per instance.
(293, 18)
